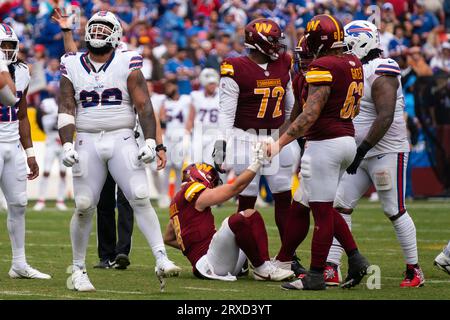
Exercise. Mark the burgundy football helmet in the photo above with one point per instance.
(324, 32)
(203, 173)
(302, 56)
(264, 35)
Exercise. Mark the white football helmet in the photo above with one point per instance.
(7, 35)
(208, 76)
(102, 28)
(361, 36)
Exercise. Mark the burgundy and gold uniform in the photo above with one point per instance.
(344, 74)
(194, 229)
(261, 92)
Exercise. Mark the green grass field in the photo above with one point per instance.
(48, 249)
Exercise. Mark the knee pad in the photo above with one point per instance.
(19, 200)
(141, 196)
(83, 202)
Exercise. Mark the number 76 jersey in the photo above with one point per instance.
(103, 101)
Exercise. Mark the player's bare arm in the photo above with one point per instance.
(384, 95)
(191, 118)
(162, 158)
(65, 24)
(141, 100)
(170, 237)
(66, 111)
(25, 136)
(317, 98)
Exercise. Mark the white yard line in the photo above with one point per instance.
(27, 293)
(211, 289)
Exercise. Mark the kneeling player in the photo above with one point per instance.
(219, 255)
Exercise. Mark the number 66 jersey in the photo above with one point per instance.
(101, 92)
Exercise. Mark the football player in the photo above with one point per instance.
(204, 116)
(383, 147)
(442, 261)
(174, 113)
(255, 100)
(220, 255)
(334, 87)
(15, 136)
(53, 151)
(101, 86)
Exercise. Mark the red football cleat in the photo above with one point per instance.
(414, 277)
(331, 274)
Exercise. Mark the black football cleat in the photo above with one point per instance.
(297, 267)
(122, 261)
(313, 280)
(357, 269)
(105, 264)
(244, 270)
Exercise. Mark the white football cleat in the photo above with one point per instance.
(269, 272)
(286, 265)
(39, 206)
(81, 282)
(166, 268)
(442, 262)
(27, 273)
(61, 206)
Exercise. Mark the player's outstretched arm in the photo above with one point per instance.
(140, 97)
(317, 98)
(25, 136)
(65, 23)
(384, 95)
(211, 197)
(170, 237)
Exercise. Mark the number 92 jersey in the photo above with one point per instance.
(344, 74)
(103, 101)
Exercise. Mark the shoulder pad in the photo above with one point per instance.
(226, 69)
(193, 190)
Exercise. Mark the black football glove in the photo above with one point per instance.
(219, 154)
(360, 154)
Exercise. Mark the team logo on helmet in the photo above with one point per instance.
(356, 30)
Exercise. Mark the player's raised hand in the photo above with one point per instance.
(218, 155)
(148, 153)
(70, 156)
(258, 156)
(34, 168)
(64, 21)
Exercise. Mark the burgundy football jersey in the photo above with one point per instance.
(345, 76)
(261, 92)
(194, 229)
(298, 84)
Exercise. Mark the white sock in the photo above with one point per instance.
(16, 229)
(80, 229)
(447, 250)
(61, 189)
(336, 250)
(406, 235)
(148, 223)
(43, 188)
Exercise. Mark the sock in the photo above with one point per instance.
(406, 235)
(336, 250)
(342, 233)
(447, 250)
(80, 229)
(43, 188)
(323, 233)
(148, 223)
(259, 232)
(16, 229)
(245, 239)
(61, 189)
(282, 205)
(246, 202)
(296, 230)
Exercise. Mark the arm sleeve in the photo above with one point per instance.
(64, 66)
(135, 62)
(228, 93)
(289, 100)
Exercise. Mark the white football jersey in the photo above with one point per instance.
(9, 125)
(50, 118)
(177, 113)
(395, 139)
(103, 101)
(206, 109)
(157, 100)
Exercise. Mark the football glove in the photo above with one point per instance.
(218, 154)
(148, 153)
(359, 157)
(70, 156)
(258, 156)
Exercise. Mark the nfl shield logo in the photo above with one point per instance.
(266, 73)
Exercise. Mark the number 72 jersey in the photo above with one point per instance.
(103, 101)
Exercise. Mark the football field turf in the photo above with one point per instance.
(48, 249)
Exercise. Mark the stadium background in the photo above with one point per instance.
(179, 38)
